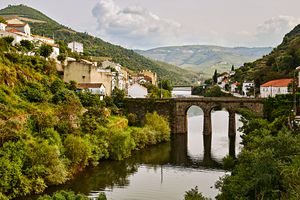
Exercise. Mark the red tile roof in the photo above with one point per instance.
(16, 25)
(89, 85)
(13, 30)
(278, 83)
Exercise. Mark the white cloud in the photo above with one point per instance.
(133, 26)
(270, 32)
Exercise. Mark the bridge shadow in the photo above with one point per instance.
(180, 156)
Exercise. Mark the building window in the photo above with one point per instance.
(83, 77)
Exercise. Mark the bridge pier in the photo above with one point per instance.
(180, 124)
(232, 125)
(207, 129)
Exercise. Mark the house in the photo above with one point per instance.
(234, 87)
(38, 38)
(247, 85)
(18, 36)
(137, 91)
(84, 71)
(147, 76)
(76, 47)
(182, 91)
(119, 75)
(2, 27)
(18, 25)
(275, 87)
(94, 88)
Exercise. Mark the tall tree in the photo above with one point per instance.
(232, 68)
(215, 77)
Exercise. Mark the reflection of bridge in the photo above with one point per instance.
(176, 110)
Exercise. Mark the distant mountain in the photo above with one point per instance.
(280, 63)
(43, 25)
(205, 58)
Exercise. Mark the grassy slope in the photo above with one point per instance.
(95, 46)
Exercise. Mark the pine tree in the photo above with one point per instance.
(215, 77)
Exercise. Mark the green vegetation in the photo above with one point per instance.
(211, 91)
(267, 167)
(48, 132)
(45, 50)
(63, 195)
(204, 58)
(43, 25)
(193, 194)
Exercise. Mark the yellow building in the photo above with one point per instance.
(84, 71)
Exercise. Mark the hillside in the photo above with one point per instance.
(205, 58)
(43, 25)
(280, 63)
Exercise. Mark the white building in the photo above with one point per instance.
(23, 28)
(38, 38)
(76, 47)
(2, 27)
(94, 88)
(275, 87)
(247, 86)
(182, 92)
(18, 36)
(137, 91)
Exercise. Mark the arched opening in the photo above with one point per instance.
(223, 141)
(195, 132)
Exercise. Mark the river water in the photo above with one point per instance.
(166, 171)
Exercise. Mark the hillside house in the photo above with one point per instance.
(137, 91)
(2, 27)
(146, 76)
(21, 27)
(247, 85)
(76, 47)
(94, 88)
(275, 87)
(88, 72)
(234, 87)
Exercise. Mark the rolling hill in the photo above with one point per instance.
(205, 58)
(43, 25)
(280, 63)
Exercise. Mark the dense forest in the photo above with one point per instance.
(49, 132)
(93, 46)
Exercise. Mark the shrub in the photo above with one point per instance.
(121, 144)
(77, 150)
(160, 125)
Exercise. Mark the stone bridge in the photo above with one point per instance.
(175, 109)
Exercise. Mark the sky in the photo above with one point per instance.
(145, 24)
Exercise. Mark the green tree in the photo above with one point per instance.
(61, 57)
(45, 50)
(215, 77)
(194, 194)
(27, 45)
(2, 20)
(166, 85)
(232, 68)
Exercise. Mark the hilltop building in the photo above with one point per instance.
(76, 47)
(146, 76)
(86, 72)
(275, 87)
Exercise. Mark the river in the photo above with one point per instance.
(166, 171)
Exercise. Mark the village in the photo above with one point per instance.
(99, 78)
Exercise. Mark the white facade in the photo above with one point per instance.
(246, 87)
(47, 40)
(137, 91)
(271, 91)
(76, 47)
(17, 36)
(182, 91)
(2, 27)
(55, 52)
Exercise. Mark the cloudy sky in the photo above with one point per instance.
(146, 24)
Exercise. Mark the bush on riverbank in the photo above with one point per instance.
(268, 165)
(63, 195)
(48, 132)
